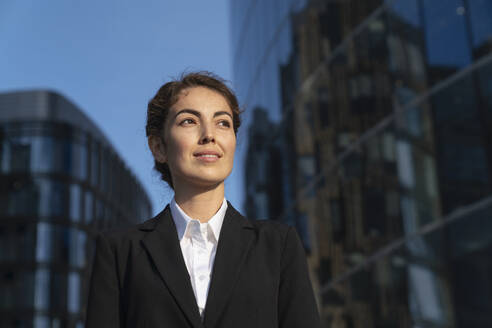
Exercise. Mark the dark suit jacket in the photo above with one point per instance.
(259, 279)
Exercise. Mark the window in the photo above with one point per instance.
(44, 242)
(73, 289)
(446, 39)
(479, 14)
(42, 289)
(17, 242)
(53, 198)
(89, 206)
(75, 203)
(77, 250)
(95, 164)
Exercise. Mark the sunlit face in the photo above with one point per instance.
(199, 138)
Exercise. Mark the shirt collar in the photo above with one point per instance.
(181, 219)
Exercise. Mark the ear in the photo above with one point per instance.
(157, 148)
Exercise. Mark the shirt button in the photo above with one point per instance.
(202, 277)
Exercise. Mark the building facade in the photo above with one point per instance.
(60, 182)
(381, 112)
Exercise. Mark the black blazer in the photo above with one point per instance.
(259, 279)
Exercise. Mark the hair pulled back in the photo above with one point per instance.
(159, 106)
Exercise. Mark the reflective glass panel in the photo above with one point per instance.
(59, 291)
(44, 242)
(53, 198)
(17, 242)
(42, 289)
(44, 154)
(78, 241)
(447, 41)
(75, 202)
(435, 277)
(16, 289)
(41, 321)
(479, 15)
(95, 164)
(73, 290)
(89, 205)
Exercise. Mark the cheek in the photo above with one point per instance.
(231, 148)
(177, 147)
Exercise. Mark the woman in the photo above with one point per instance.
(199, 263)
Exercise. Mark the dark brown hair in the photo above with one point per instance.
(168, 95)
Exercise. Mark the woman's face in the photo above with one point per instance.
(199, 138)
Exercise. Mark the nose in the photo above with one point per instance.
(207, 134)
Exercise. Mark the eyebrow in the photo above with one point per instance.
(198, 114)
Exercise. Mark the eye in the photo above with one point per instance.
(187, 121)
(225, 123)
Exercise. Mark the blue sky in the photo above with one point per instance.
(109, 58)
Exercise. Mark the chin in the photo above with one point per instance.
(205, 179)
(206, 183)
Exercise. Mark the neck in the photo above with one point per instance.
(200, 203)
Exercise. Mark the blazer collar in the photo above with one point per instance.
(236, 237)
(162, 244)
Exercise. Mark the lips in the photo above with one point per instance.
(208, 155)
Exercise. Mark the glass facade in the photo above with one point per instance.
(377, 148)
(60, 183)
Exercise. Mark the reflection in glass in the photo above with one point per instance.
(89, 204)
(60, 244)
(44, 242)
(44, 154)
(105, 172)
(16, 289)
(345, 78)
(73, 296)
(479, 13)
(42, 289)
(78, 241)
(99, 210)
(54, 198)
(16, 195)
(405, 164)
(406, 10)
(41, 321)
(425, 299)
(55, 323)
(80, 159)
(446, 36)
(75, 202)
(17, 242)
(59, 290)
(42, 147)
(16, 155)
(95, 164)
(463, 162)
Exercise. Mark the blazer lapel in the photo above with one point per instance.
(162, 244)
(236, 237)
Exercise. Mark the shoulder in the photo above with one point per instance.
(274, 232)
(124, 235)
(269, 231)
(270, 227)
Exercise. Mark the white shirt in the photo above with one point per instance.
(198, 243)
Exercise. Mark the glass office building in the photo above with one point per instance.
(378, 149)
(60, 182)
